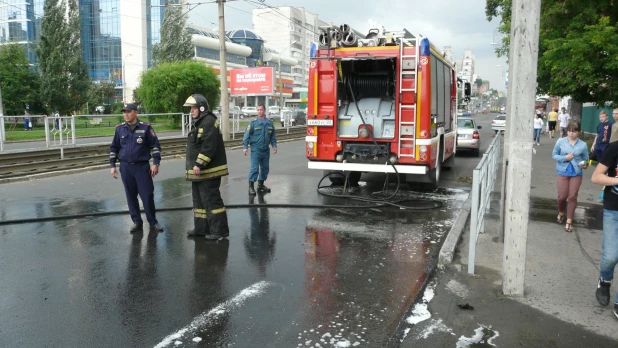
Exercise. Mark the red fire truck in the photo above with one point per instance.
(383, 103)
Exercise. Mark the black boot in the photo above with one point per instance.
(262, 187)
(251, 188)
(137, 228)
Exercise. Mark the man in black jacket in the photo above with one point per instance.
(206, 163)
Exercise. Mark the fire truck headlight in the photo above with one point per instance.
(423, 149)
(339, 158)
(393, 159)
(310, 145)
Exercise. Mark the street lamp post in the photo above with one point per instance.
(124, 78)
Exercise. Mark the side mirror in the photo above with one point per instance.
(479, 127)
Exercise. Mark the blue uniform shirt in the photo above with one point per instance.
(260, 134)
(135, 146)
(604, 133)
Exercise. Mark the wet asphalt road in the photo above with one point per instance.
(285, 278)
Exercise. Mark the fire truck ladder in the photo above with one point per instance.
(408, 124)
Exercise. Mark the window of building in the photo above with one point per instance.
(214, 55)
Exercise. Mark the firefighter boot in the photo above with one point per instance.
(251, 188)
(262, 187)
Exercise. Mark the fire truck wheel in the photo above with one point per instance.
(335, 180)
(354, 178)
(434, 175)
(449, 163)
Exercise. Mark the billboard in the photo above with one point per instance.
(252, 81)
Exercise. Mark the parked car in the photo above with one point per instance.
(468, 136)
(499, 123)
(249, 111)
(297, 117)
(99, 109)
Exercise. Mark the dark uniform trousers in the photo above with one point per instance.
(209, 211)
(132, 174)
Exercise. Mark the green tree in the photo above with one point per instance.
(19, 84)
(165, 88)
(100, 94)
(578, 46)
(64, 76)
(478, 83)
(175, 42)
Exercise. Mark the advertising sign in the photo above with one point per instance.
(252, 81)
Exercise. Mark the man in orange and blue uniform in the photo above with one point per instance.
(134, 144)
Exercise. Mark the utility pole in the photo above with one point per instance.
(225, 102)
(2, 138)
(523, 60)
(287, 124)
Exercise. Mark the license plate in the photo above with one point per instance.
(319, 122)
(462, 135)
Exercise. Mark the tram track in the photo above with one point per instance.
(21, 164)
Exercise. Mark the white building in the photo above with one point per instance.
(291, 37)
(467, 66)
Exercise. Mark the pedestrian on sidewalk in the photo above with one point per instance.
(538, 126)
(260, 134)
(606, 174)
(134, 144)
(564, 119)
(551, 122)
(206, 164)
(601, 141)
(571, 156)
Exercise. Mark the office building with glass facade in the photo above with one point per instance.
(116, 35)
(20, 22)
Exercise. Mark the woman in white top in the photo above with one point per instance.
(538, 126)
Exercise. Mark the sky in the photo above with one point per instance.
(459, 24)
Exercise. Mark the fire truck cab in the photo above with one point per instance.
(382, 103)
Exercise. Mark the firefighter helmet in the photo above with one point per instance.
(198, 101)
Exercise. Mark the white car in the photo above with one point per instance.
(499, 123)
(249, 111)
(468, 136)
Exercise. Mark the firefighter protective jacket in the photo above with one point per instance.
(206, 150)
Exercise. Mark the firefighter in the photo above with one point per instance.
(134, 143)
(259, 134)
(206, 163)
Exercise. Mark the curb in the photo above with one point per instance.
(102, 166)
(447, 252)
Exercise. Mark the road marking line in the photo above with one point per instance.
(204, 319)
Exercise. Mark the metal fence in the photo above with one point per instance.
(66, 130)
(483, 179)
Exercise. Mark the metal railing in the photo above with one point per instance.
(234, 120)
(483, 179)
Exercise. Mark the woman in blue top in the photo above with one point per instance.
(571, 156)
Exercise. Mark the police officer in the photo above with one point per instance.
(134, 143)
(259, 134)
(206, 163)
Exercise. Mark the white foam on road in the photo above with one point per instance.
(204, 319)
(465, 342)
(420, 311)
(435, 326)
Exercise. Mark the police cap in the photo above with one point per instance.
(129, 107)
